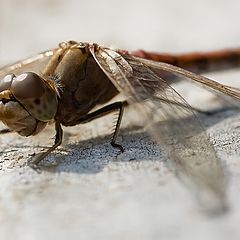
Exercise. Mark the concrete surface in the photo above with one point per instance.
(94, 193)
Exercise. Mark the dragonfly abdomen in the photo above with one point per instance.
(199, 62)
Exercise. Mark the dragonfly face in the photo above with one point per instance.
(28, 102)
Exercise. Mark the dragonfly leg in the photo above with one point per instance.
(58, 141)
(103, 111)
(117, 127)
(5, 130)
(89, 117)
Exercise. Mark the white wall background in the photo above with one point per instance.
(28, 26)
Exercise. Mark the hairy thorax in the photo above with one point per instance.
(82, 84)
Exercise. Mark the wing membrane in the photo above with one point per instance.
(227, 90)
(34, 63)
(174, 126)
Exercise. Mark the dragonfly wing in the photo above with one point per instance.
(204, 81)
(34, 64)
(174, 126)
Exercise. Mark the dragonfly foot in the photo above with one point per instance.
(58, 139)
(115, 145)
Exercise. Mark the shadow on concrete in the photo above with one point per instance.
(93, 155)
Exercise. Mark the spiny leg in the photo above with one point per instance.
(117, 127)
(89, 117)
(58, 141)
(103, 111)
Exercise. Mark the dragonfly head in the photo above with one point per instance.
(27, 103)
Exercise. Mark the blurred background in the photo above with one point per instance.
(29, 26)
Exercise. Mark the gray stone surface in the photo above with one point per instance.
(94, 193)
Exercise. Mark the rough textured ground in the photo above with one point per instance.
(94, 192)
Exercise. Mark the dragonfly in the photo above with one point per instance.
(64, 85)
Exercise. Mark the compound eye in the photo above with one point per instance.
(35, 94)
(6, 82)
(28, 85)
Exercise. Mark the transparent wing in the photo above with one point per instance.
(206, 82)
(34, 64)
(174, 126)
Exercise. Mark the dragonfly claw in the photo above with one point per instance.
(115, 145)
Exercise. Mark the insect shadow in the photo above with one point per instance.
(93, 155)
